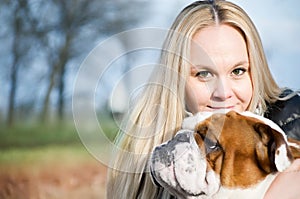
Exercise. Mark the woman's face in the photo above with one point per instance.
(220, 77)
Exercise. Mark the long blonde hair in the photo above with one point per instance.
(160, 109)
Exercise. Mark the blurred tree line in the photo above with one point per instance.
(42, 41)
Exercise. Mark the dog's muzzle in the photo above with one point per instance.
(180, 166)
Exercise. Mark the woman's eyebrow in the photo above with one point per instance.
(202, 66)
(211, 67)
(241, 63)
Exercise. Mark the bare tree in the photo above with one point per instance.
(105, 17)
(62, 31)
(19, 29)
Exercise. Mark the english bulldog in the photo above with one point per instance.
(222, 155)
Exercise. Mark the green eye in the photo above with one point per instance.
(203, 74)
(239, 71)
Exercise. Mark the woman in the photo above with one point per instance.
(212, 59)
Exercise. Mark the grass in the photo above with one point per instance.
(43, 155)
(38, 144)
(36, 135)
(49, 161)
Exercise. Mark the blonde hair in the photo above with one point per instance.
(159, 111)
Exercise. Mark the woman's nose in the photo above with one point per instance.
(222, 89)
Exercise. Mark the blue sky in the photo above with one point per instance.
(278, 23)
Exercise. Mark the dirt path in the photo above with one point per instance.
(83, 180)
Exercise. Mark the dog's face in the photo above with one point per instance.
(230, 150)
(240, 149)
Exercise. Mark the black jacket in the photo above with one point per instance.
(286, 114)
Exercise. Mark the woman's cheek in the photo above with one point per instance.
(195, 96)
(244, 93)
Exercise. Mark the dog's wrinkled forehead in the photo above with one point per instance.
(266, 121)
(191, 122)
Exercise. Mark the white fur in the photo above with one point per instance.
(282, 161)
(189, 166)
(187, 174)
(190, 122)
(255, 192)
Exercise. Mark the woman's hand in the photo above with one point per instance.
(286, 184)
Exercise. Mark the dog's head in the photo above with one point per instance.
(228, 149)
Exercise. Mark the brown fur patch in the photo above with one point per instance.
(242, 156)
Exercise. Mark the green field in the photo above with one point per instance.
(49, 162)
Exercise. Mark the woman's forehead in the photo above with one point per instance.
(218, 44)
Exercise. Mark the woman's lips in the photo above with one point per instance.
(220, 107)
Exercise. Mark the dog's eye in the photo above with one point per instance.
(211, 146)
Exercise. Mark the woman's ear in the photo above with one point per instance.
(277, 148)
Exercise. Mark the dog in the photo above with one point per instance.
(223, 155)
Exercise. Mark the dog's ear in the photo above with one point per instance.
(273, 151)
